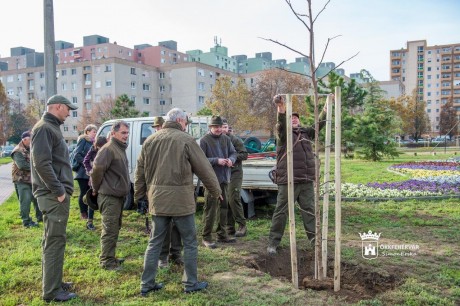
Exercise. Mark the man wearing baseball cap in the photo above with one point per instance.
(52, 185)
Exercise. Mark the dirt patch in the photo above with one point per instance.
(357, 282)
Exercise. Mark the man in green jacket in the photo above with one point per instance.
(52, 186)
(164, 175)
(235, 208)
(110, 179)
(21, 178)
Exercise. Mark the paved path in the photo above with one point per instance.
(6, 185)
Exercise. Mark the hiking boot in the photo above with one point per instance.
(242, 231)
(62, 296)
(158, 286)
(271, 250)
(197, 287)
(112, 267)
(163, 263)
(226, 240)
(90, 226)
(209, 244)
(31, 224)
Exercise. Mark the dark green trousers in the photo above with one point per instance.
(111, 213)
(55, 217)
(25, 198)
(304, 195)
(215, 210)
(235, 208)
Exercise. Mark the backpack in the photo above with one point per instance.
(73, 161)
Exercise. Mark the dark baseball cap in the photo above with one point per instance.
(58, 99)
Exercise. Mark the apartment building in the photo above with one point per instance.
(433, 72)
(90, 74)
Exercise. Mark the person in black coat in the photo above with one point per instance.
(84, 143)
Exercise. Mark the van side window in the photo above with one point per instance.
(146, 131)
(105, 131)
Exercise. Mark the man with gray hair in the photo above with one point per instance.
(110, 179)
(164, 175)
(52, 186)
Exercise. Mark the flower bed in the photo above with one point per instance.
(434, 178)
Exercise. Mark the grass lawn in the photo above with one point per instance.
(237, 273)
(5, 160)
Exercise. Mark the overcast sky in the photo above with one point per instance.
(370, 27)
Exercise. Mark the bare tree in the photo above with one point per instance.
(308, 20)
(448, 119)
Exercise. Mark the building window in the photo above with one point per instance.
(162, 102)
(201, 72)
(108, 83)
(64, 86)
(162, 88)
(74, 86)
(42, 75)
(200, 86)
(133, 85)
(163, 61)
(97, 84)
(75, 128)
(146, 101)
(133, 71)
(74, 114)
(162, 75)
(201, 99)
(108, 68)
(74, 100)
(66, 128)
(64, 72)
(146, 87)
(73, 71)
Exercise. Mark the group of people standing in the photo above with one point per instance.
(164, 178)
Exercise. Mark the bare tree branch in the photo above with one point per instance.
(319, 13)
(325, 49)
(297, 15)
(281, 44)
(305, 75)
(338, 66)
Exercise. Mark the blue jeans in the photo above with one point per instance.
(187, 230)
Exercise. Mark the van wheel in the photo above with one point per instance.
(252, 144)
(129, 201)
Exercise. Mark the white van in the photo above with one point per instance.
(139, 130)
(256, 183)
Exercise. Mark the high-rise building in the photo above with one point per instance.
(432, 73)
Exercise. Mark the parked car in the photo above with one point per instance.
(7, 150)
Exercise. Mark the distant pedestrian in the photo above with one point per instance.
(164, 175)
(23, 182)
(52, 185)
(111, 183)
(221, 154)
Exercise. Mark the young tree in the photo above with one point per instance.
(124, 108)
(448, 119)
(268, 84)
(374, 130)
(205, 111)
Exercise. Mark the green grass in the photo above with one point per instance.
(430, 278)
(5, 160)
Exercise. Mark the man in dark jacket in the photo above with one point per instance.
(304, 175)
(110, 179)
(164, 175)
(52, 185)
(23, 182)
(221, 154)
(235, 208)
